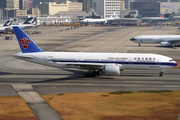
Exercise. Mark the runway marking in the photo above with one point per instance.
(7, 61)
(110, 85)
(38, 105)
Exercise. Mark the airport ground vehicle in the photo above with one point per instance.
(8, 37)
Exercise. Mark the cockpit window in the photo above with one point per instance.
(132, 39)
(171, 60)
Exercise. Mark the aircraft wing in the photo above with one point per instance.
(173, 41)
(83, 65)
(78, 64)
(20, 56)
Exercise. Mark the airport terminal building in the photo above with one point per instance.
(155, 9)
(169, 7)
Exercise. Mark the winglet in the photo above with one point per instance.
(25, 43)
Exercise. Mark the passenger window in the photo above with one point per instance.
(153, 58)
(138, 58)
(146, 58)
(142, 58)
(134, 58)
(150, 59)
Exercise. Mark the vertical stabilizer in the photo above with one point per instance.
(162, 15)
(30, 20)
(8, 23)
(25, 43)
(112, 16)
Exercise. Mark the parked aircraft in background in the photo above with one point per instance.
(29, 23)
(164, 40)
(96, 63)
(158, 19)
(7, 25)
(90, 20)
(176, 18)
(154, 18)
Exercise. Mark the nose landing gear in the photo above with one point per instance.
(161, 73)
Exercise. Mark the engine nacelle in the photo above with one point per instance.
(166, 44)
(112, 70)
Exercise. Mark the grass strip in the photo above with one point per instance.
(143, 105)
(15, 108)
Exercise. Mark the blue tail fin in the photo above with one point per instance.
(25, 43)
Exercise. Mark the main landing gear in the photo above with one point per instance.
(161, 73)
(139, 44)
(92, 73)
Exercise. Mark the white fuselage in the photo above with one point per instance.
(98, 60)
(176, 17)
(94, 20)
(23, 26)
(156, 39)
(10, 28)
(3, 28)
(150, 19)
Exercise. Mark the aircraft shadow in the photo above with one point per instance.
(77, 75)
(155, 46)
(8, 73)
(167, 47)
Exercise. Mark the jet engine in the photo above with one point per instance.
(166, 44)
(112, 70)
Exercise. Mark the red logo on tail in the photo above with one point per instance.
(24, 42)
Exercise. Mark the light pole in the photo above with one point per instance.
(14, 13)
(1, 13)
(6, 12)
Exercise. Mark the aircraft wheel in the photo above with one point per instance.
(87, 75)
(93, 74)
(160, 74)
(97, 73)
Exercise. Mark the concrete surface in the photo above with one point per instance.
(47, 80)
(38, 105)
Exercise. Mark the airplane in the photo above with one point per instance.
(164, 40)
(29, 23)
(96, 63)
(176, 18)
(5, 26)
(90, 20)
(161, 18)
(153, 18)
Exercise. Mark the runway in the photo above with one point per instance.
(47, 80)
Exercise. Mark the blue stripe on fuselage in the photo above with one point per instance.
(120, 62)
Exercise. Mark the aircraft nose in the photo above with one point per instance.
(132, 39)
(175, 63)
